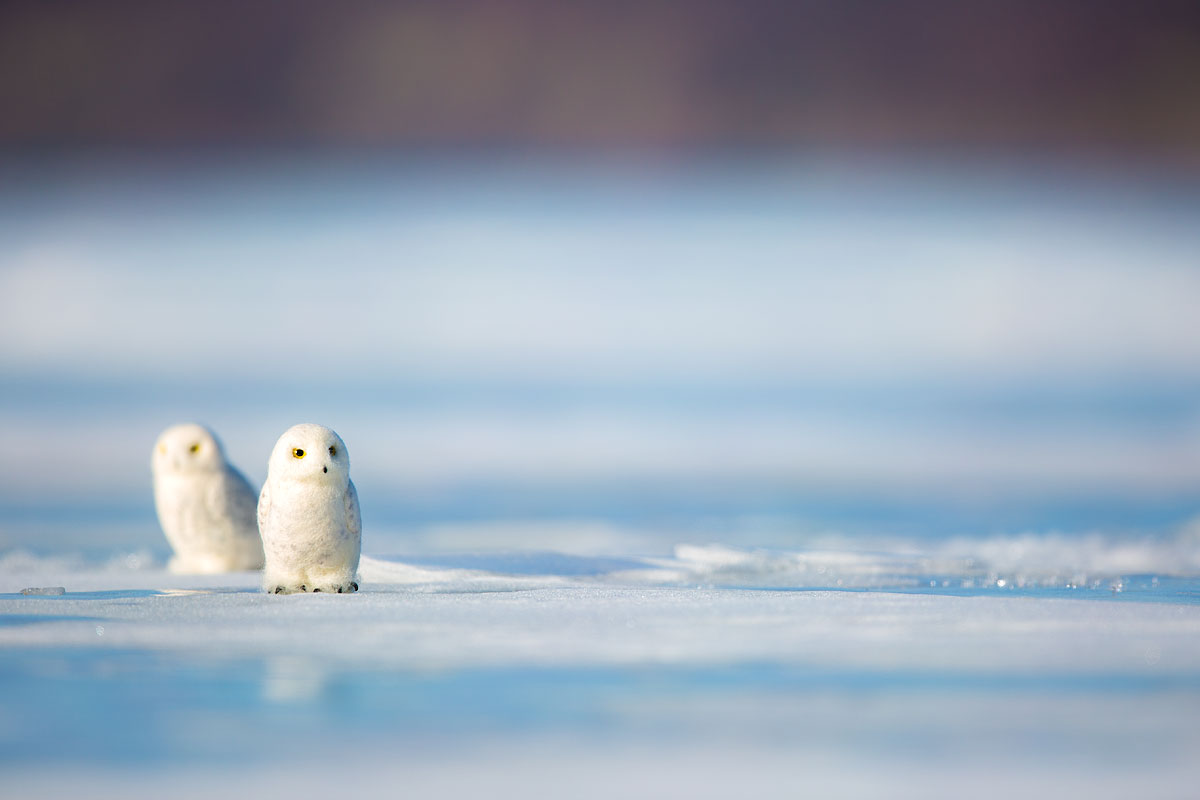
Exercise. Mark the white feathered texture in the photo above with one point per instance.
(205, 506)
(308, 514)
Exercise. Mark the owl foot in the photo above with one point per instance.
(339, 588)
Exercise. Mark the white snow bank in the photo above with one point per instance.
(1027, 560)
(1021, 561)
(380, 571)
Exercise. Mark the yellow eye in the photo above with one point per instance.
(194, 448)
(297, 453)
(332, 450)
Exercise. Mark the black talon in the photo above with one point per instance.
(339, 590)
(278, 589)
(353, 586)
(303, 588)
(316, 590)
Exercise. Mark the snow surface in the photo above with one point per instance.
(713, 672)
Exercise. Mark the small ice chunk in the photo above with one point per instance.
(44, 590)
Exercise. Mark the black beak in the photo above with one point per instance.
(324, 469)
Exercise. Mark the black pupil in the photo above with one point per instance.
(299, 452)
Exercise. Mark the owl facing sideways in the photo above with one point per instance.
(205, 506)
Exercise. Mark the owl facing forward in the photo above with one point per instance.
(308, 514)
(205, 506)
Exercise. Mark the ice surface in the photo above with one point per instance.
(711, 673)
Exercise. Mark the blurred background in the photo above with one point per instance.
(605, 277)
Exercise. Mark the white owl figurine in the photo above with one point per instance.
(205, 506)
(308, 514)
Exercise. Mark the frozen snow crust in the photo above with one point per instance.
(1025, 665)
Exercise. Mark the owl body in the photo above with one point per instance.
(308, 514)
(205, 506)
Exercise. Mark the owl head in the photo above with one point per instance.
(187, 448)
(310, 453)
